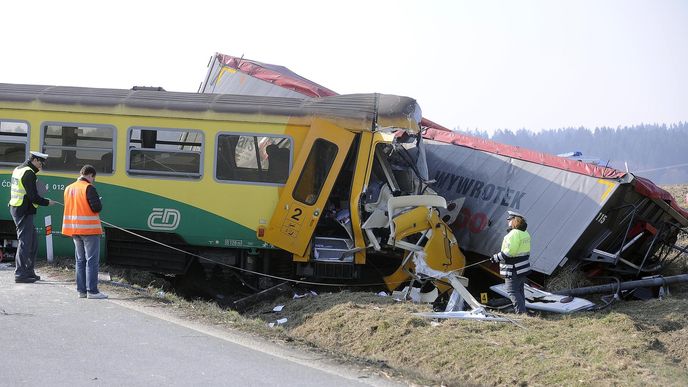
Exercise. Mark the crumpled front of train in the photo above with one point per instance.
(417, 228)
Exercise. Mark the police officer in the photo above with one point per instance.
(513, 259)
(24, 201)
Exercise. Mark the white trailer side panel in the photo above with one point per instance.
(558, 205)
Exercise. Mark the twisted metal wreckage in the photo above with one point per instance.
(596, 218)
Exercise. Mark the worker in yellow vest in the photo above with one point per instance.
(24, 200)
(513, 259)
(82, 222)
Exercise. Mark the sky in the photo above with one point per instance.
(482, 65)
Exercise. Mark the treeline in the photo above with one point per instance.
(657, 152)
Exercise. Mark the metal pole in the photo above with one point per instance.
(614, 287)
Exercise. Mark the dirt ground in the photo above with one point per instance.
(627, 343)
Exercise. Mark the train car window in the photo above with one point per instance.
(13, 142)
(315, 171)
(71, 146)
(249, 158)
(165, 152)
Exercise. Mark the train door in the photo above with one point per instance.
(309, 185)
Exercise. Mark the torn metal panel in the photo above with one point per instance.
(540, 300)
(463, 315)
(237, 75)
(459, 297)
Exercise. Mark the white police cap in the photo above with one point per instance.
(511, 214)
(39, 155)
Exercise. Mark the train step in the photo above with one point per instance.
(326, 249)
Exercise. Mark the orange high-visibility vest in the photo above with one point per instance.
(79, 218)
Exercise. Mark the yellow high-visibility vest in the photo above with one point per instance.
(516, 243)
(18, 191)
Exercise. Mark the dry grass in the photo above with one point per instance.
(632, 343)
(629, 343)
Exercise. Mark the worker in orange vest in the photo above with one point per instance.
(82, 223)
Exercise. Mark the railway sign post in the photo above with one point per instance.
(49, 238)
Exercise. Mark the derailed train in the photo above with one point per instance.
(322, 188)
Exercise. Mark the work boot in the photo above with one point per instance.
(24, 280)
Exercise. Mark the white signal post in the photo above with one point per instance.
(49, 238)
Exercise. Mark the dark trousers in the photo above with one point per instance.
(27, 247)
(514, 288)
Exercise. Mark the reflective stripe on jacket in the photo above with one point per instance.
(18, 191)
(79, 218)
(515, 254)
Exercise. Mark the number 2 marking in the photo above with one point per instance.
(297, 213)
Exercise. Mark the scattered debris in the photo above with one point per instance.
(540, 300)
(415, 295)
(253, 299)
(464, 315)
(459, 296)
(104, 276)
(307, 294)
(277, 322)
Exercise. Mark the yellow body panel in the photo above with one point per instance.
(303, 258)
(361, 173)
(441, 249)
(293, 221)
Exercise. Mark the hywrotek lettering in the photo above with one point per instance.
(465, 186)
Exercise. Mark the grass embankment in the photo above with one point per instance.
(628, 343)
(632, 342)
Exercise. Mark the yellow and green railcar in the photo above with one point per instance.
(315, 188)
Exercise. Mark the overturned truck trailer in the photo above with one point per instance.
(575, 211)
